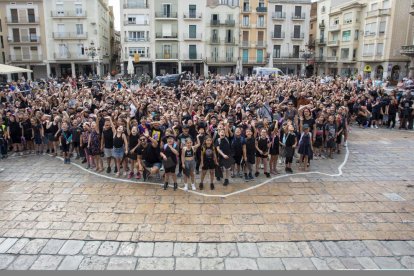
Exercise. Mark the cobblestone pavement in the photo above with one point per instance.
(326, 217)
(53, 254)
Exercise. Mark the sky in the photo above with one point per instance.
(117, 11)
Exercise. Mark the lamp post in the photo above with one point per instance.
(93, 52)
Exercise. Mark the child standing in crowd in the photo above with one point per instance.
(250, 155)
(107, 143)
(132, 143)
(189, 163)
(289, 142)
(226, 161)
(318, 141)
(305, 147)
(120, 146)
(37, 135)
(65, 141)
(238, 145)
(331, 134)
(274, 148)
(170, 154)
(262, 152)
(208, 162)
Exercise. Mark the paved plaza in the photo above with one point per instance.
(353, 212)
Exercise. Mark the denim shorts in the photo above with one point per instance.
(118, 152)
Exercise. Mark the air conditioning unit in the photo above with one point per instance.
(9, 38)
(348, 21)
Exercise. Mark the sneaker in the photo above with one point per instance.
(68, 161)
(256, 174)
(241, 175)
(130, 175)
(280, 162)
(84, 161)
(267, 175)
(376, 126)
(211, 186)
(165, 186)
(125, 174)
(175, 186)
(201, 186)
(193, 187)
(372, 126)
(186, 187)
(251, 176)
(108, 170)
(226, 182)
(218, 178)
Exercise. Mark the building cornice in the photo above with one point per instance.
(304, 2)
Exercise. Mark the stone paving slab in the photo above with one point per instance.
(206, 256)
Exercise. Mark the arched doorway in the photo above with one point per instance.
(379, 73)
(395, 73)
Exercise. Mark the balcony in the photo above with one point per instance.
(299, 36)
(69, 35)
(141, 55)
(25, 21)
(260, 44)
(368, 33)
(136, 6)
(261, 26)
(133, 23)
(25, 39)
(161, 36)
(260, 60)
(261, 9)
(278, 15)
(333, 43)
(246, 25)
(193, 16)
(332, 59)
(321, 41)
(69, 14)
(407, 50)
(214, 22)
(246, 9)
(214, 40)
(69, 55)
(301, 16)
(335, 28)
(25, 58)
(166, 55)
(193, 56)
(167, 16)
(230, 23)
(193, 36)
(379, 12)
(278, 35)
(230, 41)
(221, 60)
(136, 39)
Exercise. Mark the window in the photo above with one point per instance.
(79, 29)
(14, 16)
(192, 31)
(259, 56)
(261, 4)
(32, 34)
(229, 36)
(246, 6)
(346, 36)
(380, 49)
(335, 22)
(382, 27)
(298, 11)
(245, 55)
(192, 51)
(245, 20)
(166, 10)
(311, 26)
(374, 6)
(192, 11)
(80, 50)
(334, 52)
(348, 18)
(260, 21)
(370, 29)
(214, 36)
(323, 10)
(137, 50)
(277, 31)
(229, 54)
(295, 51)
(356, 37)
(232, 3)
(296, 31)
(386, 4)
(31, 15)
(136, 36)
(345, 53)
(16, 35)
(132, 20)
(60, 10)
(276, 51)
(63, 50)
(78, 9)
(368, 50)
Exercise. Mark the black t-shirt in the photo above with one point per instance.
(168, 152)
(108, 138)
(224, 145)
(310, 122)
(149, 154)
(250, 146)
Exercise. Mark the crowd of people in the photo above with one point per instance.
(220, 127)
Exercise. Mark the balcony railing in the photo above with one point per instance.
(164, 36)
(407, 50)
(214, 22)
(334, 28)
(279, 15)
(260, 44)
(26, 58)
(69, 55)
(68, 13)
(195, 56)
(254, 60)
(261, 9)
(214, 40)
(379, 12)
(136, 6)
(193, 15)
(246, 25)
(278, 35)
(26, 39)
(320, 41)
(230, 41)
(142, 55)
(127, 23)
(368, 33)
(136, 39)
(166, 56)
(247, 9)
(298, 16)
(193, 37)
(161, 15)
(25, 20)
(230, 22)
(259, 26)
(221, 60)
(333, 43)
(299, 36)
(69, 35)
(331, 58)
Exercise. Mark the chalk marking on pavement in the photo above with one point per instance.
(208, 195)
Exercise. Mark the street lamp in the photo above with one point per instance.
(93, 52)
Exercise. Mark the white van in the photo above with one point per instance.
(264, 71)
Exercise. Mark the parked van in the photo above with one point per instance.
(264, 71)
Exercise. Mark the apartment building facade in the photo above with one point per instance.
(2, 37)
(77, 37)
(253, 30)
(362, 37)
(408, 48)
(288, 34)
(23, 38)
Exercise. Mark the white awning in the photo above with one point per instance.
(7, 69)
